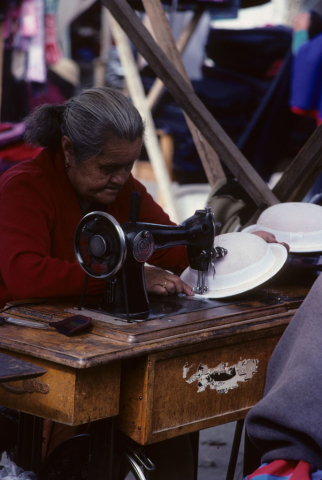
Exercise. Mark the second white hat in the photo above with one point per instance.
(295, 223)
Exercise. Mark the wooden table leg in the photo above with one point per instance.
(102, 449)
(252, 457)
(102, 446)
(194, 438)
(29, 442)
(235, 450)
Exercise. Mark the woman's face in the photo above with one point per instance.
(100, 178)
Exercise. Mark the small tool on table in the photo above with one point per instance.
(24, 323)
(68, 326)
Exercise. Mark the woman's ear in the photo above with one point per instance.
(67, 146)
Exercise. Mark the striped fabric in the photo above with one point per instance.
(286, 470)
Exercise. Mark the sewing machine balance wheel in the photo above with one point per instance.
(100, 245)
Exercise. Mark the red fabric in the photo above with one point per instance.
(4, 127)
(39, 213)
(307, 113)
(52, 50)
(19, 151)
(294, 470)
(273, 69)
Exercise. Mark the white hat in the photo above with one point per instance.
(250, 261)
(295, 223)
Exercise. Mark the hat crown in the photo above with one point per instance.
(292, 217)
(244, 251)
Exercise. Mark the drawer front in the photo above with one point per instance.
(166, 397)
(64, 394)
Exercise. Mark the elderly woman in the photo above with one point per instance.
(90, 146)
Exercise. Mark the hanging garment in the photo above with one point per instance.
(229, 101)
(12, 26)
(28, 15)
(249, 51)
(52, 51)
(306, 80)
(36, 68)
(19, 64)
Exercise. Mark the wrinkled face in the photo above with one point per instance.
(100, 178)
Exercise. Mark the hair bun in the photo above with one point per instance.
(43, 126)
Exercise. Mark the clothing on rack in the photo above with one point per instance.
(233, 89)
(36, 67)
(253, 51)
(305, 96)
(34, 71)
(24, 36)
(226, 98)
(261, 59)
(52, 50)
(306, 80)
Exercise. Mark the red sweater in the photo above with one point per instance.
(39, 213)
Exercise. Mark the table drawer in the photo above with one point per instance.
(169, 394)
(65, 394)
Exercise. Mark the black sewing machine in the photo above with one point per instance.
(117, 253)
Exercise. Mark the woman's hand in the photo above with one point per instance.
(161, 282)
(270, 238)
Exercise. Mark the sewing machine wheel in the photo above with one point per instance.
(100, 245)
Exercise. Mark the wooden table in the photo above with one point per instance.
(162, 378)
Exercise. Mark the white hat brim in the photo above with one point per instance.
(297, 249)
(280, 256)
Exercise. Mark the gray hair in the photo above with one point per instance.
(91, 120)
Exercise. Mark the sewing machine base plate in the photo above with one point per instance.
(168, 306)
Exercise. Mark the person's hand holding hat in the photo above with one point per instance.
(270, 238)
